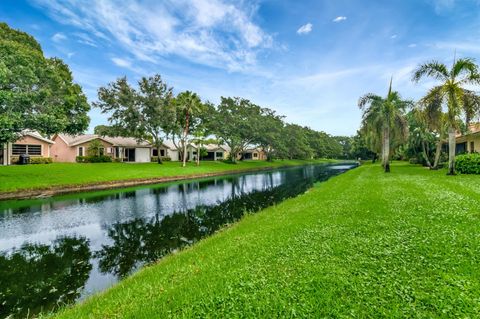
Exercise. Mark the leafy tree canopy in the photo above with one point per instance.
(36, 93)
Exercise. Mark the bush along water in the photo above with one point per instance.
(468, 163)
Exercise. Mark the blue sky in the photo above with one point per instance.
(309, 60)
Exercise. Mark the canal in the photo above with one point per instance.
(58, 250)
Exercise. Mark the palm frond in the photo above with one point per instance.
(467, 68)
(433, 69)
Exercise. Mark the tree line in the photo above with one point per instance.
(419, 130)
(38, 93)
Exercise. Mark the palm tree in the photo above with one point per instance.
(450, 92)
(188, 104)
(432, 122)
(385, 119)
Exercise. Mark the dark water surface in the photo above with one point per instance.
(58, 250)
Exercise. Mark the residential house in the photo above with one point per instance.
(30, 143)
(214, 152)
(470, 141)
(253, 153)
(125, 149)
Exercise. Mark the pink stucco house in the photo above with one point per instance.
(126, 149)
(30, 143)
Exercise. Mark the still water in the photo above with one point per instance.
(58, 250)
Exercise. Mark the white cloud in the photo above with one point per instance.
(58, 37)
(70, 54)
(208, 32)
(122, 62)
(442, 5)
(339, 19)
(305, 29)
(394, 36)
(412, 45)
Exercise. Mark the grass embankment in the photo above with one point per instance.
(363, 244)
(43, 176)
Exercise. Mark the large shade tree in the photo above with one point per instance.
(36, 93)
(385, 119)
(143, 113)
(238, 123)
(452, 94)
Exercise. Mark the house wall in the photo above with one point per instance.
(173, 154)
(476, 143)
(29, 140)
(142, 155)
(61, 152)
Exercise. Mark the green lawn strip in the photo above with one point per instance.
(363, 244)
(30, 177)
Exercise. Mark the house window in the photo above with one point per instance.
(255, 154)
(101, 151)
(117, 152)
(81, 151)
(219, 155)
(472, 147)
(19, 149)
(162, 153)
(154, 152)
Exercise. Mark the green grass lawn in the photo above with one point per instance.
(364, 244)
(18, 177)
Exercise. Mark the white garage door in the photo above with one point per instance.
(142, 155)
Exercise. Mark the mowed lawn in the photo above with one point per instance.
(23, 177)
(364, 245)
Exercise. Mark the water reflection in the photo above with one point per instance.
(124, 230)
(38, 278)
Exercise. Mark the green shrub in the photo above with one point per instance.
(468, 163)
(33, 160)
(154, 159)
(414, 160)
(40, 160)
(94, 159)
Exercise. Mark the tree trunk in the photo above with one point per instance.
(451, 151)
(438, 152)
(185, 134)
(159, 159)
(198, 155)
(425, 155)
(386, 149)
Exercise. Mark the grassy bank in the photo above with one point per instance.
(364, 244)
(31, 177)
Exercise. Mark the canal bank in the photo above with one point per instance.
(61, 249)
(363, 244)
(34, 181)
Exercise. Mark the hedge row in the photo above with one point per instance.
(94, 159)
(164, 159)
(33, 160)
(468, 163)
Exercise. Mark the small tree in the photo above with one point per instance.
(94, 148)
(189, 107)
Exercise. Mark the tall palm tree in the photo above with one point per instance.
(451, 92)
(188, 104)
(385, 118)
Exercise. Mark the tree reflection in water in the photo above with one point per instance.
(142, 241)
(39, 278)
